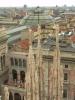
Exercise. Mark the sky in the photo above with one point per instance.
(30, 3)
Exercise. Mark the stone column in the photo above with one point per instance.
(10, 76)
(13, 95)
(21, 97)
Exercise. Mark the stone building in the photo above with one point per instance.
(17, 61)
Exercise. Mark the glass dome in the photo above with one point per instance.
(38, 16)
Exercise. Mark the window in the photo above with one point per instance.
(65, 93)
(16, 62)
(1, 63)
(65, 76)
(12, 61)
(35, 57)
(66, 66)
(24, 63)
(20, 62)
(4, 60)
(22, 76)
(14, 74)
(43, 26)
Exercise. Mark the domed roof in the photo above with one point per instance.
(38, 16)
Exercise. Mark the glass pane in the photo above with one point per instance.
(20, 62)
(16, 62)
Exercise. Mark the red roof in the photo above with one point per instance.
(72, 38)
(24, 44)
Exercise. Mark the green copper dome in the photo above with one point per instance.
(38, 16)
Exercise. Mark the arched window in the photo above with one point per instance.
(17, 96)
(10, 96)
(14, 74)
(22, 76)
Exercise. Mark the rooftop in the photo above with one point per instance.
(38, 16)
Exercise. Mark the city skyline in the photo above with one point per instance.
(30, 3)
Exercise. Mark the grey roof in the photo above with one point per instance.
(13, 38)
(15, 34)
(49, 44)
(13, 31)
(68, 13)
(8, 22)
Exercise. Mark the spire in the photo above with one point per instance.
(57, 70)
(31, 76)
(39, 66)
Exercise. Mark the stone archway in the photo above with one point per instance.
(14, 74)
(17, 96)
(10, 96)
(22, 76)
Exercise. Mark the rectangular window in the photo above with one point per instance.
(12, 61)
(20, 62)
(65, 93)
(24, 63)
(65, 76)
(16, 62)
(66, 66)
(4, 60)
